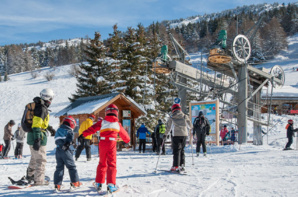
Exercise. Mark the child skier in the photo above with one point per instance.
(290, 134)
(19, 136)
(109, 128)
(64, 156)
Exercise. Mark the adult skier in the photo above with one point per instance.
(8, 137)
(37, 138)
(290, 134)
(180, 126)
(64, 156)
(223, 133)
(141, 134)
(109, 129)
(84, 142)
(201, 128)
(160, 130)
(19, 136)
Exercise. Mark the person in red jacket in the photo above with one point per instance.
(223, 132)
(109, 129)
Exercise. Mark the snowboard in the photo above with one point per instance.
(22, 183)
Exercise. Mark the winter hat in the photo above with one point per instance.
(176, 107)
(92, 116)
(201, 113)
(290, 121)
(12, 122)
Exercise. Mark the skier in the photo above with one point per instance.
(233, 135)
(290, 134)
(159, 132)
(37, 138)
(223, 133)
(64, 156)
(109, 129)
(201, 128)
(19, 136)
(181, 126)
(8, 137)
(153, 137)
(84, 142)
(141, 134)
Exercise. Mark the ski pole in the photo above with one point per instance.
(159, 155)
(192, 153)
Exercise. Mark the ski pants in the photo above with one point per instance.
(290, 141)
(107, 162)
(37, 164)
(65, 158)
(154, 147)
(159, 143)
(142, 143)
(85, 144)
(178, 149)
(6, 148)
(19, 149)
(201, 141)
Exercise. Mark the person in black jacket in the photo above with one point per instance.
(159, 133)
(290, 134)
(201, 127)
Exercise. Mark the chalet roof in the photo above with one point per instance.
(87, 105)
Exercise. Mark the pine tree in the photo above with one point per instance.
(92, 77)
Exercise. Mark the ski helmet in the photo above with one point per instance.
(112, 109)
(290, 121)
(47, 94)
(176, 107)
(70, 121)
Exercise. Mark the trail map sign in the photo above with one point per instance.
(210, 110)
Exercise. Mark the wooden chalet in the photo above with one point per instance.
(129, 111)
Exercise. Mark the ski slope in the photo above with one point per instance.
(233, 170)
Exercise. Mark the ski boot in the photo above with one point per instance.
(112, 188)
(175, 168)
(182, 168)
(57, 188)
(198, 154)
(98, 187)
(205, 154)
(75, 185)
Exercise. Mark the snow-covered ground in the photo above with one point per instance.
(234, 170)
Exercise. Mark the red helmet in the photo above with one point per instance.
(290, 121)
(70, 121)
(176, 107)
(112, 109)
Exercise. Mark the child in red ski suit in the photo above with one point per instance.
(109, 129)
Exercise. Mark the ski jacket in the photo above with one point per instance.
(40, 123)
(109, 129)
(63, 135)
(84, 126)
(157, 130)
(20, 135)
(142, 131)
(179, 124)
(290, 130)
(201, 125)
(223, 133)
(7, 132)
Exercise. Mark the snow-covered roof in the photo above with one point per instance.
(87, 105)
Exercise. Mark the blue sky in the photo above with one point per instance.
(28, 21)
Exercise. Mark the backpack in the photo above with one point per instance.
(27, 118)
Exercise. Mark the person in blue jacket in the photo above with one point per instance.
(141, 134)
(64, 155)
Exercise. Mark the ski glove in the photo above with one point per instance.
(65, 147)
(36, 144)
(51, 130)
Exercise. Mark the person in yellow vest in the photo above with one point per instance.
(159, 132)
(84, 142)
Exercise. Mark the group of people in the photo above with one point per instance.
(19, 135)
